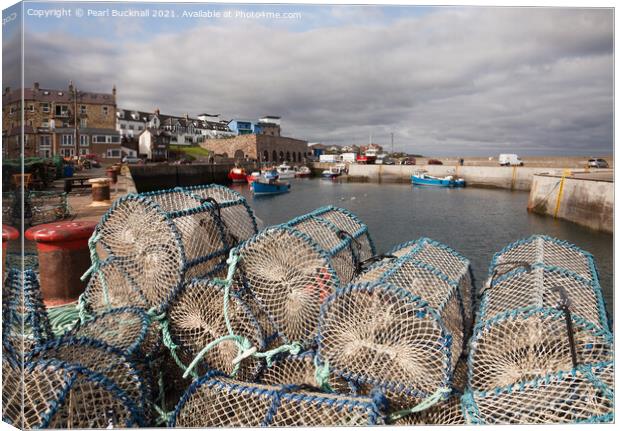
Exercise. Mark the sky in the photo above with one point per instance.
(446, 81)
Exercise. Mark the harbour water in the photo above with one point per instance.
(476, 222)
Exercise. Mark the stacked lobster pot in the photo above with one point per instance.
(161, 240)
(90, 377)
(25, 323)
(541, 350)
(400, 326)
(272, 306)
(149, 248)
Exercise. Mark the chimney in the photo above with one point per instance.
(114, 90)
(186, 116)
(71, 86)
(36, 86)
(156, 111)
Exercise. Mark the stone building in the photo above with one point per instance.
(62, 122)
(263, 148)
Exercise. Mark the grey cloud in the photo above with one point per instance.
(454, 82)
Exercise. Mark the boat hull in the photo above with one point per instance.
(286, 175)
(237, 177)
(259, 188)
(437, 182)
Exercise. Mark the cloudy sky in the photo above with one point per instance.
(444, 80)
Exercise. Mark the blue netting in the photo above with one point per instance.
(217, 401)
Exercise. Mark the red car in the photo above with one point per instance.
(434, 162)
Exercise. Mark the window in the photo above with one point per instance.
(62, 110)
(67, 152)
(188, 140)
(45, 152)
(113, 154)
(45, 123)
(140, 128)
(45, 107)
(104, 109)
(45, 141)
(83, 109)
(67, 141)
(13, 110)
(83, 140)
(106, 139)
(83, 123)
(173, 139)
(83, 151)
(31, 107)
(130, 127)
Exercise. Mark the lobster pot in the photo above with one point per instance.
(451, 263)
(582, 395)
(98, 357)
(57, 394)
(48, 206)
(341, 235)
(289, 275)
(128, 329)
(236, 215)
(300, 370)
(25, 322)
(377, 335)
(196, 318)
(548, 251)
(431, 285)
(529, 343)
(538, 287)
(213, 401)
(525, 273)
(163, 239)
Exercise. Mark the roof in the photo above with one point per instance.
(52, 95)
(132, 115)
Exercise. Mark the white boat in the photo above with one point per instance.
(285, 171)
(303, 171)
(333, 172)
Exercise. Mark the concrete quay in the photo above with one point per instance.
(582, 198)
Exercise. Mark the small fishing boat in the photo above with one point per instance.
(271, 174)
(262, 187)
(423, 179)
(303, 172)
(333, 172)
(253, 177)
(237, 175)
(285, 172)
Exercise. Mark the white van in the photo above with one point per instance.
(510, 160)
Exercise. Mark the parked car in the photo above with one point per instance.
(133, 161)
(510, 160)
(408, 161)
(434, 162)
(388, 161)
(598, 163)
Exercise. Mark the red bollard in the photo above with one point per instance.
(63, 258)
(9, 233)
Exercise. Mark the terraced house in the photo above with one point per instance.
(66, 122)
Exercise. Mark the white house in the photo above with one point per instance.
(131, 123)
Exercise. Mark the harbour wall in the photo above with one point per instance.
(157, 177)
(585, 201)
(511, 178)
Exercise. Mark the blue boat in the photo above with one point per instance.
(422, 179)
(260, 187)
